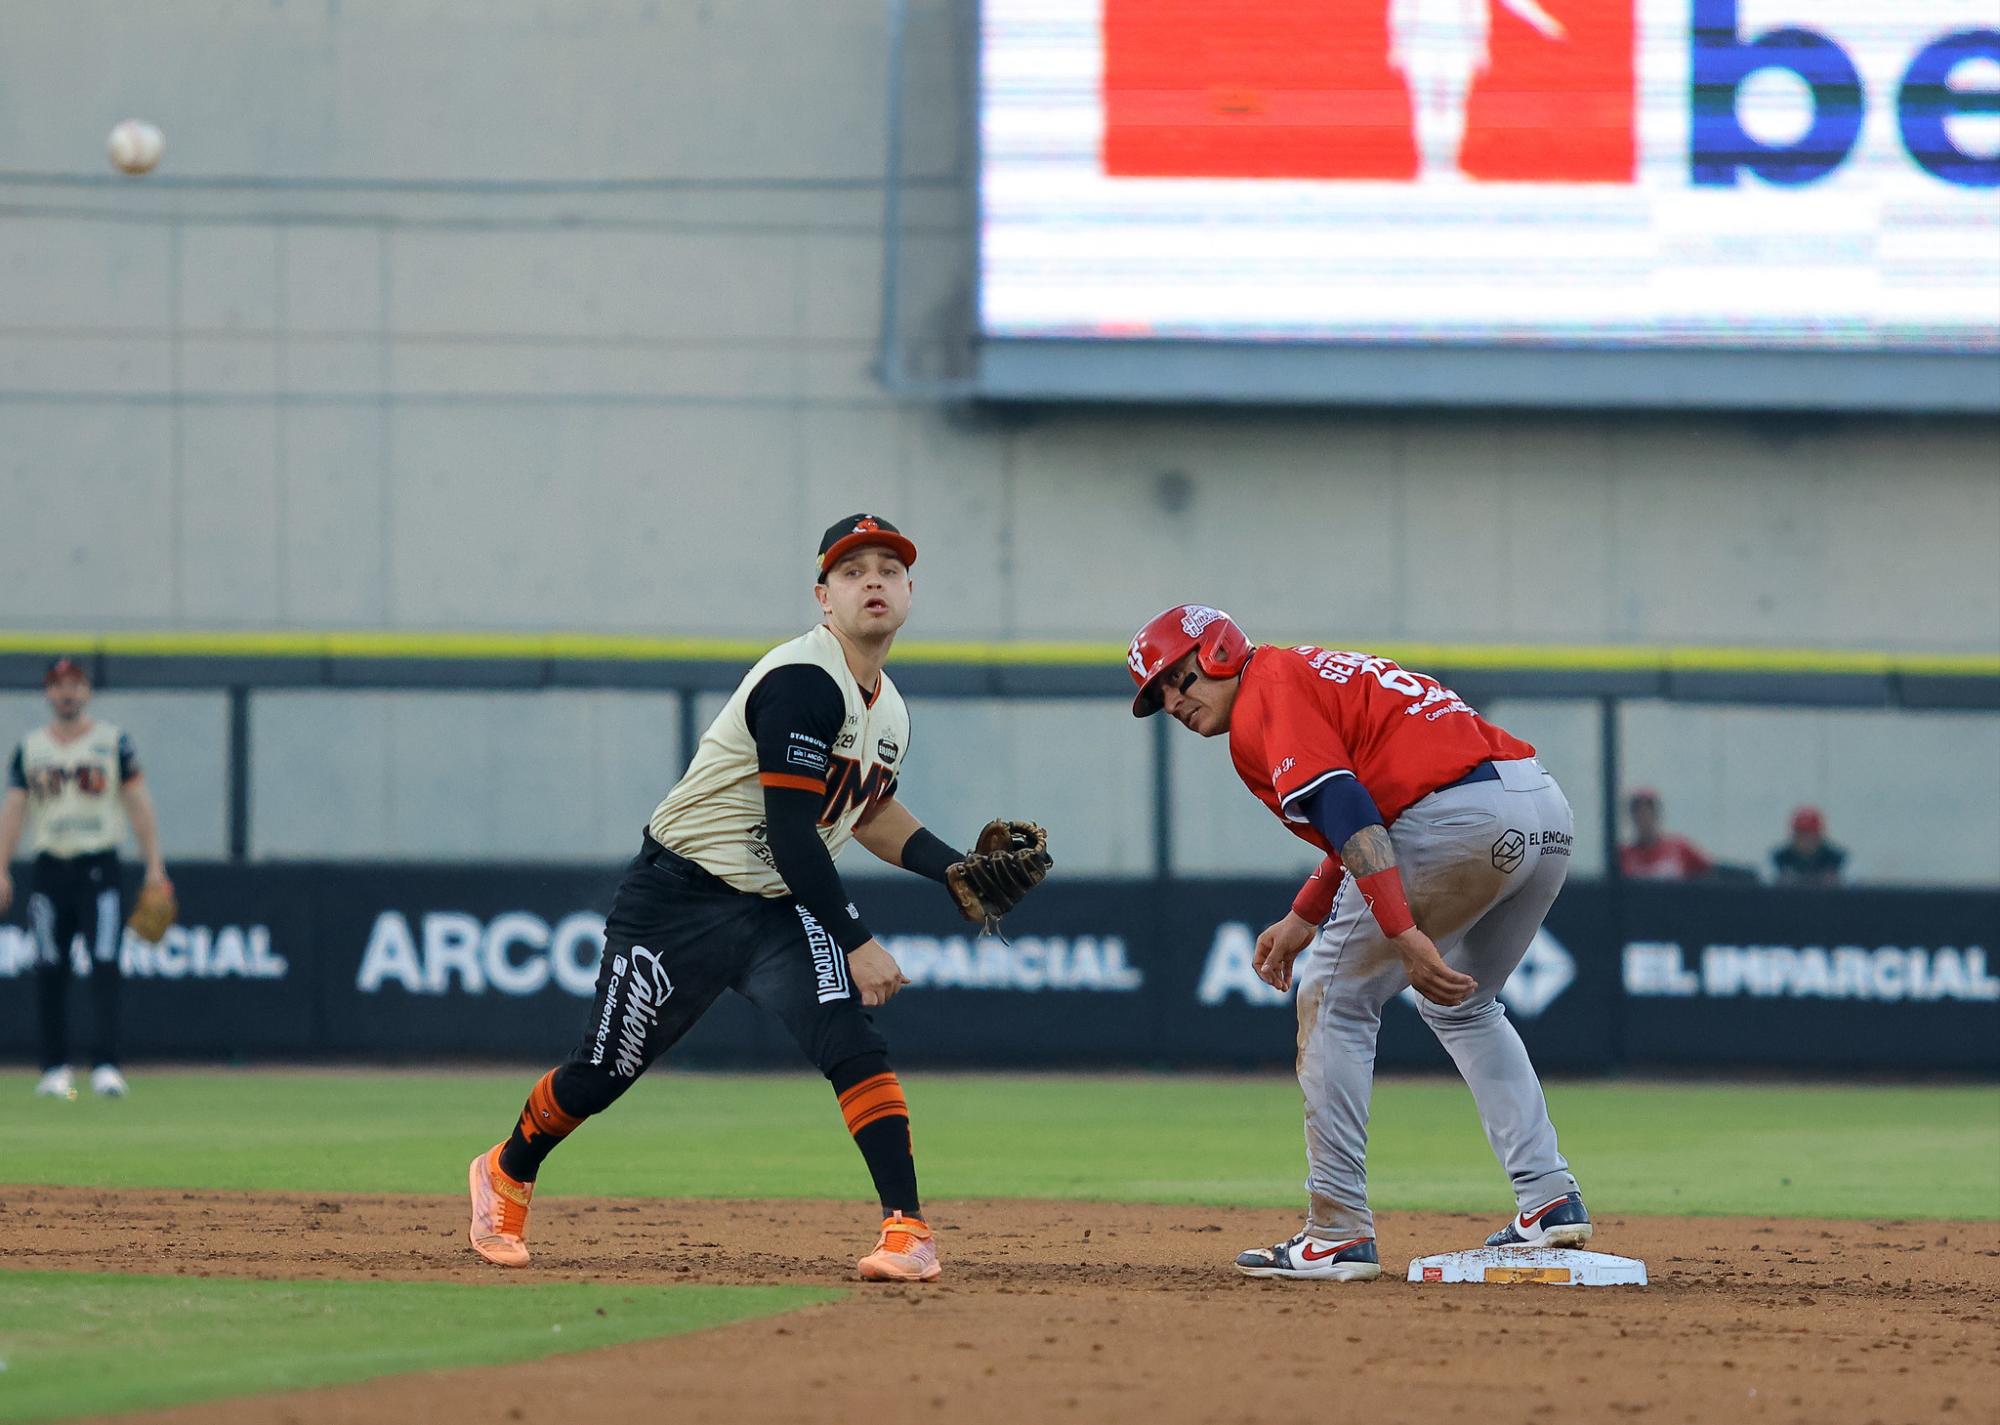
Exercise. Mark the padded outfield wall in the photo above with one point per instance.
(423, 963)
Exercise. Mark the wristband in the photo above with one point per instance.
(929, 855)
(1314, 902)
(1384, 890)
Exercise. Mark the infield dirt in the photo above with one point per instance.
(1073, 1311)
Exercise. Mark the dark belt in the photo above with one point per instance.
(654, 854)
(1484, 772)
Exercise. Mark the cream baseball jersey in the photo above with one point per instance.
(72, 787)
(798, 720)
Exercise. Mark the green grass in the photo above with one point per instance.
(1832, 1151)
(88, 1344)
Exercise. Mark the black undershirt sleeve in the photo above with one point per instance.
(17, 774)
(794, 714)
(928, 855)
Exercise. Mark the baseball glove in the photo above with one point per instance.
(1009, 859)
(154, 914)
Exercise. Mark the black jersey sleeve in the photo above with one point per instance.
(794, 715)
(128, 759)
(17, 771)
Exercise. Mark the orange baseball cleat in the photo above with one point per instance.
(499, 1212)
(903, 1253)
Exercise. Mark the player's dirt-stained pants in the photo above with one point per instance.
(1481, 864)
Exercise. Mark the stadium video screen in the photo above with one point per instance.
(1749, 175)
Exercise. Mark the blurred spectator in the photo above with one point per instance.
(1655, 855)
(1808, 859)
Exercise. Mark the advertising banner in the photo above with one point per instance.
(435, 964)
(1755, 975)
(1798, 175)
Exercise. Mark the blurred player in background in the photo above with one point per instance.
(75, 784)
(1653, 853)
(1808, 858)
(1445, 844)
(735, 888)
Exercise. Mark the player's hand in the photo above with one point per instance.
(157, 876)
(1429, 975)
(1278, 946)
(6, 890)
(875, 973)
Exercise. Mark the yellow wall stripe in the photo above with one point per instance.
(634, 647)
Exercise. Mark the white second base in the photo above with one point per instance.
(1552, 1266)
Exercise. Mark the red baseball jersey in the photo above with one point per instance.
(1305, 715)
(1668, 858)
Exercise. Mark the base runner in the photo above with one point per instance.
(1445, 843)
(734, 888)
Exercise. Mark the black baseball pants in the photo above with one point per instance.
(677, 937)
(77, 895)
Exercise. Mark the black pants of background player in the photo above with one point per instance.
(72, 895)
(677, 937)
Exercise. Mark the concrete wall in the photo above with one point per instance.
(535, 315)
(1914, 797)
(468, 315)
(572, 776)
(183, 744)
(458, 776)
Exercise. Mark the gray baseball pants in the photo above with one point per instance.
(1481, 864)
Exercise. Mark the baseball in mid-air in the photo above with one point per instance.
(135, 146)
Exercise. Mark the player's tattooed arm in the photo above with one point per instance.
(1368, 851)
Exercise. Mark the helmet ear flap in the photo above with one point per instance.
(1223, 650)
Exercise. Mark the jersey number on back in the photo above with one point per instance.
(1338, 667)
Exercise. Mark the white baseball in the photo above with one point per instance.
(135, 146)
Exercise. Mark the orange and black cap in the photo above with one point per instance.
(62, 669)
(843, 536)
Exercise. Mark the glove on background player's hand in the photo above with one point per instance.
(155, 912)
(1009, 859)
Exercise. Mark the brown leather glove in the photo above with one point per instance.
(154, 915)
(1009, 859)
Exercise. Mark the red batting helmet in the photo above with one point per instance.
(1220, 647)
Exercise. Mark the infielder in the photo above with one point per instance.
(77, 783)
(735, 888)
(1445, 844)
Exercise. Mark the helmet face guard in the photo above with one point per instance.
(1219, 646)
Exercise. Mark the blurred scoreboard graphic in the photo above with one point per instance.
(1695, 175)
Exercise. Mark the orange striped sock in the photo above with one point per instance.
(878, 1116)
(542, 1115)
(543, 1124)
(872, 1100)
